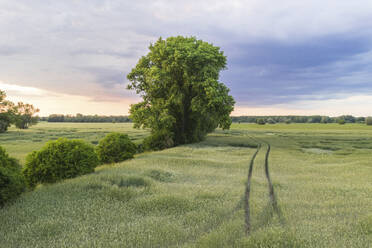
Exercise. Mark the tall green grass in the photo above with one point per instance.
(21, 142)
(192, 195)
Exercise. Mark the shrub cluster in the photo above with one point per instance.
(115, 147)
(369, 121)
(341, 121)
(159, 140)
(58, 160)
(261, 121)
(12, 182)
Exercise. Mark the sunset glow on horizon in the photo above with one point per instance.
(283, 58)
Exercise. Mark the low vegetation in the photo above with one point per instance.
(193, 195)
(115, 147)
(369, 121)
(341, 121)
(12, 183)
(298, 119)
(19, 143)
(261, 121)
(60, 159)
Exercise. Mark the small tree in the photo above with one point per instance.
(23, 115)
(182, 97)
(369, 121)
(6, 112)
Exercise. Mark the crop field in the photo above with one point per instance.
(199, 195)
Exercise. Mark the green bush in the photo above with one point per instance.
(261, 121)
(5, 122)
(58, 160)
(369, 121)
(158, 141)
(270, 121)
(140, 148)
(12, 182)
(341, 121)
(115, 147)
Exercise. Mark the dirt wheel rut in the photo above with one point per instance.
(272, 197)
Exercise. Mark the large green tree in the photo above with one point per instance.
(183, 99)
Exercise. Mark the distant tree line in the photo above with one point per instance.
(236, 119)
(85, 118)
(298, 119)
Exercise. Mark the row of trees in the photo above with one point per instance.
(298, 119)
(85, 118)
(20, 114)
(235, 119)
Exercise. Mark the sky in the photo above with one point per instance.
(283, 57)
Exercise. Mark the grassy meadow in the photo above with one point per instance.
(193, 195)
(19, 142)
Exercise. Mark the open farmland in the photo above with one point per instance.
(19, 142)
(193, 195)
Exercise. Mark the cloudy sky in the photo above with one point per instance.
(284, 57)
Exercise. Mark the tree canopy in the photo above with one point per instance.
(20, 114)
(24, 115)
(182, 97)
(6, 112)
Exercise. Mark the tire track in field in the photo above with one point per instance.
(247, 193)
(272, 196)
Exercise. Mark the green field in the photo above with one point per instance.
(193, 195)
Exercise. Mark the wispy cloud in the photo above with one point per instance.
(283, 52)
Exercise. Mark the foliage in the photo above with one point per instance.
(85, 118)
(298, 119)
(360, 119)
(6, 112)
(58, 160)
(341, 121)
(182, 97)
(5, 122)
(24, 115)
(348, 118)
(270, 121)
(326, 119)
(261, 121)
(11, 180)
(21, 114)
(369, 121)
(115, 147)
(158, 141)
(21, 143)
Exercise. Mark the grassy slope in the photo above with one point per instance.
(21, 142)
(191, 196)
